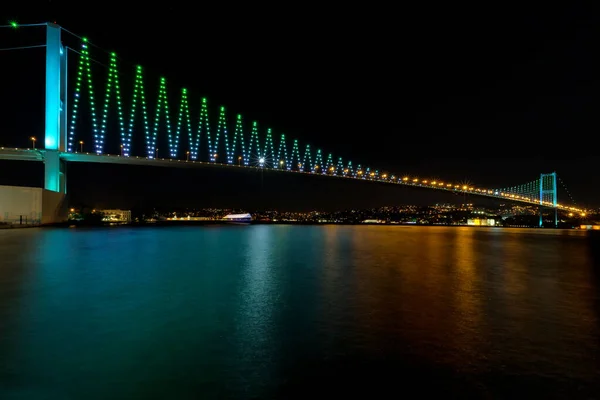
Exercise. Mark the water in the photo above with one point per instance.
(298, 312)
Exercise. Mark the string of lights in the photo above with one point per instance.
(162, 121)
(184, 118)
(238, 137)
(567, 190)
(282, 155)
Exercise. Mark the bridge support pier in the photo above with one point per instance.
(548, 195)
(55, 172)
(555, 218)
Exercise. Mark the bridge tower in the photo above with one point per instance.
(55, 174)
(548, 193)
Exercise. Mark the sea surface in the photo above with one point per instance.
(298, 312)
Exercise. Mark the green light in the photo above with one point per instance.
(238, 136)
(296, 160)
(162, 107)
(269, 151)
(307, 161)
(14, 24)
(282, 154)
(84, 73)
(139, 97)
(319, 162)
(222, 131)
(254, 142)
(84, 40)
(204, 128)
(112, 85)
(184, 118)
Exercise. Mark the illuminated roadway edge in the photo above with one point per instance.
(18, 154)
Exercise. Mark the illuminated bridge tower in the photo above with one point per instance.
(55, 177)
(548, 195)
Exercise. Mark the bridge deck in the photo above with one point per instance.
(38, 155)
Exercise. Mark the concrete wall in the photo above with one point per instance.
(53, 207)
(30, 206)
(20, 205)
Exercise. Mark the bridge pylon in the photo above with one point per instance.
(55, 176)
(548, 193)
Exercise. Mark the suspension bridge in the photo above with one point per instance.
(79, 108)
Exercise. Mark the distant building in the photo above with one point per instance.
(116, 215)
(590, 227)
(481, 222)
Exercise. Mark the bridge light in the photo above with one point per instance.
(261, 160)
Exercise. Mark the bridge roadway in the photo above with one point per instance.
(20, 154)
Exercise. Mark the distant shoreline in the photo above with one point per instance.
(223, 223)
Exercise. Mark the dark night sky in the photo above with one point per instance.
(493, 95)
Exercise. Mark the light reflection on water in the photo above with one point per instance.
(261, 311)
